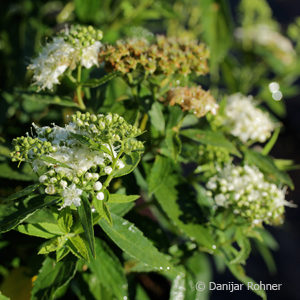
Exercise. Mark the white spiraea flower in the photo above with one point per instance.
(71, 195)
(62, 53)
(245, 190)
(246, 121)
(266, 36)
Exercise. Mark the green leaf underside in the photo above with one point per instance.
(85, 215)
(43, 230)
(209, 137)
(132, 241)
(11, 215)
(52, 276)
(109, 271)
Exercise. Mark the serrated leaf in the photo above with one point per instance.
(159, 173)
(27, 191)
(130, 161)
(85, 215)
(52, 245)
(13, 214)
(119, 198)
(65, 220)
(167, 195)
(52, 276)
(78, 247)
(61, 253)
(102, 208)
(43, 230)
(267, 166)
(157, 117)
(131, 240)
(120, 209)
(178, 287)
(109, 270)
(209, 137)
(245, 248)
(95, 82)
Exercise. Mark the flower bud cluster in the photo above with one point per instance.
(244, 190)
(194, 99)
(72, 159)
(78, 45)
(245, 121)
(165, 56)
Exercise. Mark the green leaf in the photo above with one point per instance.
(27, 191)
(157, 117)
(245, 248)
(159, 173)
(52, 245)
(173, 143)
(120, 209)
(95, 82)
(217, 30)
(167, 196)
(209, 137)
(51, 160)
(198, 269)
(239, 273)
(131, 240)
(178, 287)
(267, 166)
(7, 172)
(109, 270)
(52, 276)
(2, 297)
(130, 161)
(43, 230)
(119, 198)
(85, 215)
(61, 253)
(102, 208)
(13, 214)
(78, 247)
(65, 220)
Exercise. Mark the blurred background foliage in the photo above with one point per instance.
(249, 50)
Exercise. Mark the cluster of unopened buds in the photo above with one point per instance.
(194, 99)
(246, 121)
(73, 159)
(164, 56)
(244, 190)
(72, 47)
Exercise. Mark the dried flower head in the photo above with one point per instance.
(72, 159)
(78, 45)
(165, 56)
(194, 99)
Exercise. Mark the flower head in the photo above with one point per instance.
(77, 45)
(245, 121)
(244, 190)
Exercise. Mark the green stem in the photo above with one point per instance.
(113, 166)
(78, 89)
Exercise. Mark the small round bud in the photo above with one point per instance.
(100, 196)
(97, 186)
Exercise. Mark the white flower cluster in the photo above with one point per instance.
(248, 194)
(246, 121)
(79, 45)
(266, 36)
(71, 159)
